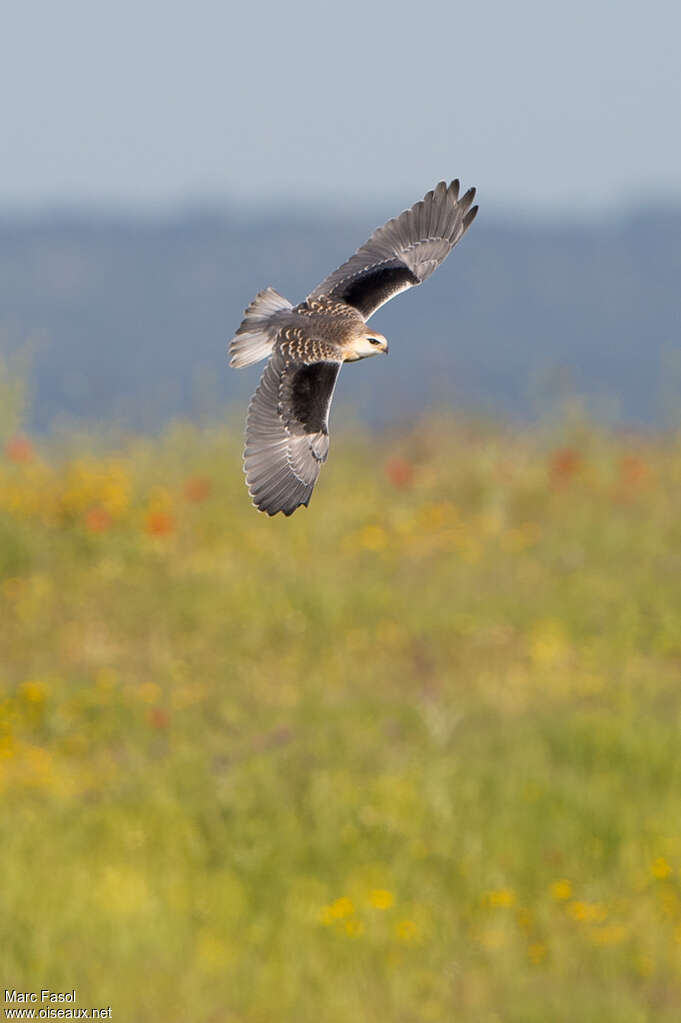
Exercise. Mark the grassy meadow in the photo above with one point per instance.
(411, 755)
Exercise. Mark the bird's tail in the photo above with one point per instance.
(255, 337)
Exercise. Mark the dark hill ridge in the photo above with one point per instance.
(128, 319)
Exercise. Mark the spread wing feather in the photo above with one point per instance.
(403, 252)
(287, 437)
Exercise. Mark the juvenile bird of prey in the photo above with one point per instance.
(287, 427)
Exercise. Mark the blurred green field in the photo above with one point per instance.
(411, 755)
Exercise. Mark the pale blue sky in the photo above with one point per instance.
(547, 107)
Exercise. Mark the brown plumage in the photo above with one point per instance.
(287, 437)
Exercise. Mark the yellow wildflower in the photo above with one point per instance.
(341, 909)
(7, 746)
(149, 692)
(381, 898)
(34, 691)
(90, 481)
(37, 766)
(587, 912)
(105, 679)
(407, 931)
(660, 869)
(561, 890)
(524, 919)
(519, 538)
(372, 538)
(353, 927)
(548, 643)
(536, 953)
(503, 898)
(434, 516)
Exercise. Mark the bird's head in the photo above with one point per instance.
(366, 343)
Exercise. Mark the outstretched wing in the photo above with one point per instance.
(403, 252)
(287, 434)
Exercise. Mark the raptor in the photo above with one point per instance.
(287, 426)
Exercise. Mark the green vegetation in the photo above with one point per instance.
(411, 755)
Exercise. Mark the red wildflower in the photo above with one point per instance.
(97, 519)
(159, 523)
(399, 471)
(634, 471)
(159, 718)
(564, 464)
(196, 489)
(19, 449)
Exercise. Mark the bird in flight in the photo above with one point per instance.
(287, 426)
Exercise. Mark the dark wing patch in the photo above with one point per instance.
(310, 388)
(287, 436)
(371, 289)
(404, 252)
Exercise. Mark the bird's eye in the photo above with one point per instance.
(374, 341)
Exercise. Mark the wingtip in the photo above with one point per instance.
(270, 506)
(466, 200)
(470, 217)
(271, 511)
